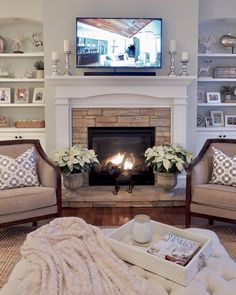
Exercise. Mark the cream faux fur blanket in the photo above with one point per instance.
(69, 256)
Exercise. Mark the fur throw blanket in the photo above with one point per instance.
(69, 256)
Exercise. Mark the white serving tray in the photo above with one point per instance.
(122, 244)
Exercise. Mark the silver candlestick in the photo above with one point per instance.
(67, 66)
(55, 63)
(184, 67)
(172, 63)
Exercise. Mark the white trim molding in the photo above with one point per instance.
(120, 92)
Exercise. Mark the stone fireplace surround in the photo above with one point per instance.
(159, 101)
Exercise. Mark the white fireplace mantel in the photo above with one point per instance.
(120, 92)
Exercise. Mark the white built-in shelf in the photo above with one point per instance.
(211, 79)
(213, 128)
(216, 104)
(216, 55)
(28, 54)
(22, 105)
(20, 80)
(14, 129)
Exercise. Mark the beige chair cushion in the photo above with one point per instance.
(26, 198)
(215, 195)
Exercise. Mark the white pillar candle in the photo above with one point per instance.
(184, 56)
(66, 45)
(55, 55)
(172, 45)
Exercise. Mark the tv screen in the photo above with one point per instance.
(118, 42)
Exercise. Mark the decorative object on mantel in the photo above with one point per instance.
(167, 162)
(39, 66)
(74, 162)
(184, 61)
(207, 40)
(67, 52)
(172, 53)
(30, 124)
(55, 63)
(229, 41)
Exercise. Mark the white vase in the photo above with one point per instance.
(142, 229)
(39, 74)
(73, 181)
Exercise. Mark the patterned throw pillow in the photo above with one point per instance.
(224, 169)
(18, 172)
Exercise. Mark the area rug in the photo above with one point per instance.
(12, 238)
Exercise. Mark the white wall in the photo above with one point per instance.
(31, 9)
(180, 22)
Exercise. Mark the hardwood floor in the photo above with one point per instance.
(118, 216)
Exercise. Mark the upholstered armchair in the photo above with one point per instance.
(33, 201)
(205, 199)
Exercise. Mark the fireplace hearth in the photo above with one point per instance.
(120, 151)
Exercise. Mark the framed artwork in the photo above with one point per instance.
(5, 95)
(230, 120)
(213, 97)
(208, 121)
(217, 118)
(21, 95)
(200, 94)
(38, 96)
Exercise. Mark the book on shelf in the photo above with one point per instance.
(175, 248)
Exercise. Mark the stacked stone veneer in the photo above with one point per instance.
(160, 118)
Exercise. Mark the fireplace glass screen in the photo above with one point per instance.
(121, 151)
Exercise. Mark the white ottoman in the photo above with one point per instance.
(217, 278)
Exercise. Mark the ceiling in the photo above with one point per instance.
(123, 27)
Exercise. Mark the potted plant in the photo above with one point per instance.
(74, 162)
(167, 162)
(226, 91)
(39, 66)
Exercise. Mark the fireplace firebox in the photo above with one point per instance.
(120, 151)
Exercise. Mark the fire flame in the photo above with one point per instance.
(117, 159)
(122, 160)
(128, 165)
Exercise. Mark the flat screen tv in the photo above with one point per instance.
(118, 42)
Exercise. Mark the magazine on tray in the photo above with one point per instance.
(174, 248)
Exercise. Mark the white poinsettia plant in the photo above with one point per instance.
(75, 159)
(169, 158)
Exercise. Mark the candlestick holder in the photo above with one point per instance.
(184, 67)
(67, 66)
(172, 63)
(55, 64)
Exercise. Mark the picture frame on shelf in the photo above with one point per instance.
(201, 94)
(208, 121)
(217, 118)
(21, 95)
(230, 120)
(38, 96)
(5, 95)
(213, 97)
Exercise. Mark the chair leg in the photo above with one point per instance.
(187, 219)
(35, 223)
(210, 221)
